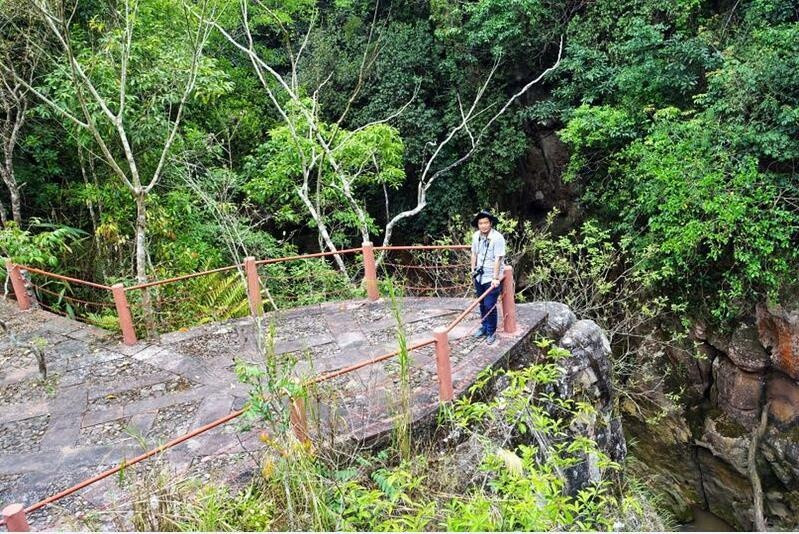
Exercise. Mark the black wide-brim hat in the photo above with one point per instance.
(483, 214)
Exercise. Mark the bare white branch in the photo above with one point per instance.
(427, 179)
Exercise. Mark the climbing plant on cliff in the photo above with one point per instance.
(719, 229)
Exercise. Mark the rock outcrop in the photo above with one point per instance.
(586, 377)
(779, 332)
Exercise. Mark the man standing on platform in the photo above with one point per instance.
(488, 253)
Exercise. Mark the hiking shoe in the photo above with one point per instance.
(480, 332)
(490, 339)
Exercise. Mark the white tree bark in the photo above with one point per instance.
(14, 98)
(428, 176)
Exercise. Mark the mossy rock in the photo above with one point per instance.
(726, 426)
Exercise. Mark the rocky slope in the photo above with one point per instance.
(586, 377)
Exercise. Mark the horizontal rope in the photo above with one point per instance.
(472, 306)
(305, 279)
(76, 299)
(127, 463)
(426, 247)
(183, 277)
(431, 266)
(333, 374)
(439, 288)
(308, 256)
(173, 300)
(74, 317)
(53, 310)
(62, 277)
(238, 265)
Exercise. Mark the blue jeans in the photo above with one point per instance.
(488, 309)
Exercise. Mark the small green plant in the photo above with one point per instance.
(106, 320)
(402, 425)
(216, 508)
(270, 382)
(37, 249)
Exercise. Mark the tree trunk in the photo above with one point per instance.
(93, 216)
(323, 233)
(141, 262)
(13, 190)
(16, 205)
(3, 214)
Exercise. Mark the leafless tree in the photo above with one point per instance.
(326, 147)
(111, 127)
(20, 61)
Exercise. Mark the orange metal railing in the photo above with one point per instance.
(14, 516)
(165, 305)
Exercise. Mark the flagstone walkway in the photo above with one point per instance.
(103, 401)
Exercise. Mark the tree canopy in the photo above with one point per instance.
(321, 124)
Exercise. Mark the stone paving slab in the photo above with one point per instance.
(104, 401)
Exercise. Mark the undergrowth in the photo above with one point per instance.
(509, 444)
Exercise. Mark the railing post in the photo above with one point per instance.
(299, 420)
(123, 312)
(23, 301)
(443, 365)
(253, 287)
(370, 271)
(14, 514)
(508, 301)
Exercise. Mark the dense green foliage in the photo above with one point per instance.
(681, 118)
(687, 145)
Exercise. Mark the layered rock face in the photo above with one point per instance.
(586, 377)
(715, 393)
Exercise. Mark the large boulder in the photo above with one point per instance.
(778, 330)
(738, 393)
(559, 318)
(745, 349)
(587, 376)
(782, 394)
(587, 370)
(701, 332)
(726, 439)
(781, 451)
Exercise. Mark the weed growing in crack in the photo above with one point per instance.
(402, 425)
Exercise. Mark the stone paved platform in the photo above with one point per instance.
(103, 402)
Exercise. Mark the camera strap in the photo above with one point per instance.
(485, 256)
